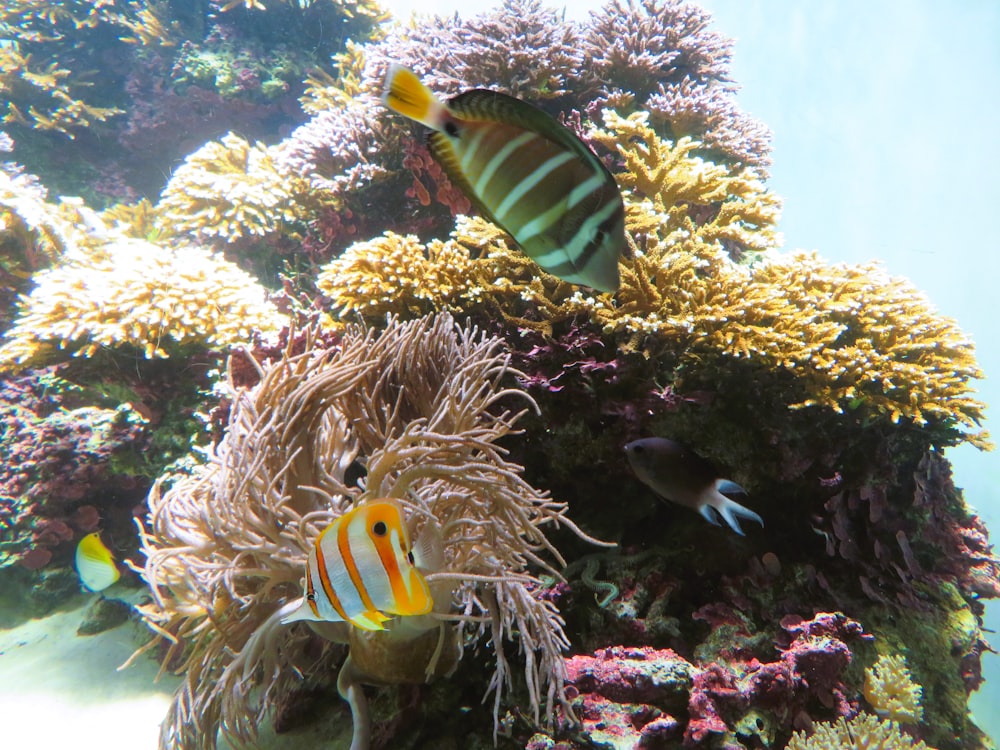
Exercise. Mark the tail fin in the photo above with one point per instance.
(731, 512)
(405, 94)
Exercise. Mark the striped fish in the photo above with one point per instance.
(526, 173)
(362, 570)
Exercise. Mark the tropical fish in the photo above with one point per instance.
(95, 564)
(682, 476)
(526, 173)
(362, 570)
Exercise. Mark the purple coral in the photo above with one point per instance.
(638, 694)
(661, 55)
(59, 478)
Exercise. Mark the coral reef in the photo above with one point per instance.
(421, 407)
(863, 732)
(891, 691)
(163, 74)
(632, 697)
(521, 48)
(62, 474)
(136, 294)
(230, 190)
(827, 391)
(834, 330)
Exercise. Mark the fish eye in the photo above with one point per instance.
(379, 528)
(311, 597)
(451, 129)
(409, 558)
(637, 449)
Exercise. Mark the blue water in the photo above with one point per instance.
(885, 119)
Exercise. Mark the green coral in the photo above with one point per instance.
(247, 71)
(851, 338)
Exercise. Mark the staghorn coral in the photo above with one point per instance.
(418, 404)
(852, 338)
(891, 691)
(134, 293)
(661, 56)
(863, 732)
(230, 190)
(33, 232)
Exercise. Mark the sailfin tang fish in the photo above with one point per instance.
(526, 173)
(362, 570)
(680, 475)
(95, 564)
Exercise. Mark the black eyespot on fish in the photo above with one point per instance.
(379, 528)
(311, 597)
(451, 129)
(409, 558)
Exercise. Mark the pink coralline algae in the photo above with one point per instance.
(428, 176)
(629, 696)
(638, 697)
(58, 480)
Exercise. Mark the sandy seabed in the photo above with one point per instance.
(60, 690)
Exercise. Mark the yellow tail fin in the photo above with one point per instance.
(405, 94)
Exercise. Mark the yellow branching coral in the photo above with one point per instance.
(33, 229)
(324, 92)
(852, 336)
(891, 691)
(45, 95)
(350, 8)
(668, 190)
(134, 293)
(421, 406)
(863, 732)
(230, 190)
(395, 273)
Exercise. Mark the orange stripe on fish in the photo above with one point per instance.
(344, 545)
(361, 571)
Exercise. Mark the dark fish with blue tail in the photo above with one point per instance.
(680, 475)
(526, 173)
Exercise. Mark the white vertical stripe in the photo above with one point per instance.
(340, 579)
(469, 149)
(540, 223)
(498, 159)
(530, 181)
(584, 189)
(368, 562)
(583, 237)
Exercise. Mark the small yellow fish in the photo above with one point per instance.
(362, 570)
(526, 173)
(95, 564)
(682, 476)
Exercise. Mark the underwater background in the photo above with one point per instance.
(883, 142)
